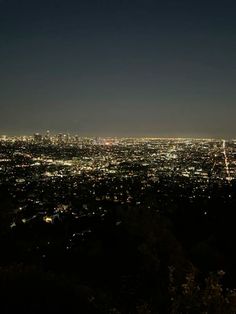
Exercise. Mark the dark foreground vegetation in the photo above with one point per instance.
(131, 260)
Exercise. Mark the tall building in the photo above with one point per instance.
(60, 138)
(47, 137)
(38, 138)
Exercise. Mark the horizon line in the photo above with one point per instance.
(126, 136)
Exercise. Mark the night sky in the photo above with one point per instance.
(118, 67)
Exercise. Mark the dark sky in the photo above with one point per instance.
(118, 67)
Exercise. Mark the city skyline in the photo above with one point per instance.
(118, 68)
(54, 134)
(76, 134)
